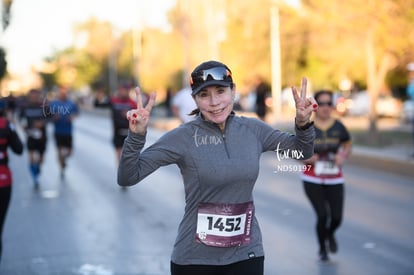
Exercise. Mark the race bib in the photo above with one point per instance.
(328, 168)
(224, 225)
(35, 133)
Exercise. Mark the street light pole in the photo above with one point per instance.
(136, 53)
(275, 60)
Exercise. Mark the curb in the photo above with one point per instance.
(382, 163)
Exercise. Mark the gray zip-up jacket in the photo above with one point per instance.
(217, 167)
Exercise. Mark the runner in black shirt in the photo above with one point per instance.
(324, 182)
(120, 104)
(35, 113)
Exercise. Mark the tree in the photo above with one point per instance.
(372, 37)
(326, 40)
(6, 5)
(3, 63)
(247, 46)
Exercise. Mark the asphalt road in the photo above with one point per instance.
(87, 224)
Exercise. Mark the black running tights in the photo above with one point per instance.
(5, 194)
(248, 267)
(327, 201)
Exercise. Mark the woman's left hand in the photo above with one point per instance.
(139, 117)
(304, 105)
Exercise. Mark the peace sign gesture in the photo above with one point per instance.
(304, 105)
(139, 117)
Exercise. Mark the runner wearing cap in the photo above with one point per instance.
(218, 155)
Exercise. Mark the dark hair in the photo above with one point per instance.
(323, 92)
(194, 112)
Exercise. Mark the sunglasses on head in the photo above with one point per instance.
(328, 103)
(216, 73)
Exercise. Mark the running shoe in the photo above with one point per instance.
(323, 256)
(333, 246)
(36, 185)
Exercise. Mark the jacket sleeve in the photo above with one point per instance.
(305, 141)
(298, 146)
(137, 162)
(14, 140)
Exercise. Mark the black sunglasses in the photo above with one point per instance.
(328, 103)
(216, 73)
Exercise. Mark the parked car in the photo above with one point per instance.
(341, 103)
(387, 106)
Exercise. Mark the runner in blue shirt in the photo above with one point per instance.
(63, 111)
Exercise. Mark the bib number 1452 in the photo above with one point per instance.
(224, 225)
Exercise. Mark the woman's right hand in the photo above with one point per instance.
(312, 159)
(304, 105)
(139, 117)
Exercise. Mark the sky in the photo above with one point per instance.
(40, 27)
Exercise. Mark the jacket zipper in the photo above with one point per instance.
(225, 145)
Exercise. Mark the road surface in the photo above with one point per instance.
(87, 224)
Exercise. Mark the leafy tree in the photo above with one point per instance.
(81, 65)
(247, 46)
(71, 68)
(6, 6)
(3, 63)
(326, 40)
(358, 40)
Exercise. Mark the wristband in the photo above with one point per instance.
(305, 127)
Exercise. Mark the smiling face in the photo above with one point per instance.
(215, 103)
